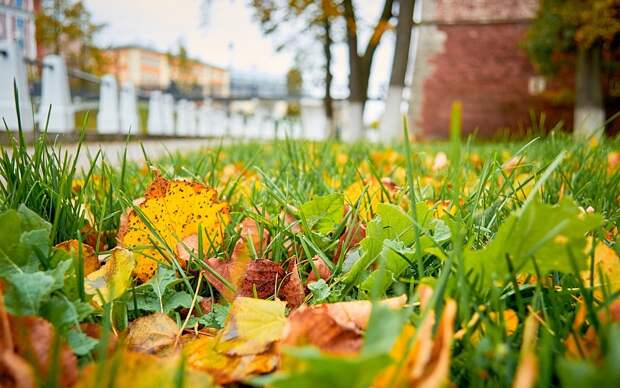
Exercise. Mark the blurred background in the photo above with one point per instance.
(315, 68)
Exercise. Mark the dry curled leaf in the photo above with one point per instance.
(174, 209)
(421, 360)
(152, 334)
(113, 278)
(91, 263)
(335, 328)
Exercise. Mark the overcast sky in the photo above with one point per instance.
(161, 24)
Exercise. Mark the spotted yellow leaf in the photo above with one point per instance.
(167, 220)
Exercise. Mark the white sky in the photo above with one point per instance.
(161, 24)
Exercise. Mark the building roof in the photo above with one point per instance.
(153, 50)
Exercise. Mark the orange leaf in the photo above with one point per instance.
(91, 263)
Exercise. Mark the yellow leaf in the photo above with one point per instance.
(606, 269)
(139, 370)
(112, 279)
(174, 209)
(252, 326)
(201, 354)
(421, 360)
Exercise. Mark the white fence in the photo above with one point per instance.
(118, 108)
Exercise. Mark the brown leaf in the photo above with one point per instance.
(336, 328)
(16, 372)
(249, 276)
(292, 290)
(323, 270)
(251, 232)
(91, 263)
(36, 342)
(351, 238)
(152, 334)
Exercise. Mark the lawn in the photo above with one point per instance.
(298, 264)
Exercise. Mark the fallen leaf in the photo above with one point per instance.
(336, 328)
(91, 263)
(252, 326)
(292, 289)
(350, 239)
(36, 346)
(140, 370)
(175, 209)
(606, 269)
(152, 334)
(201, 354)
(113, 278)
(321, 268)
(421, 360)
(583, 340)
(527, 370)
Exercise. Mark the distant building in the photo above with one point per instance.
(150, 69)
(17, 23)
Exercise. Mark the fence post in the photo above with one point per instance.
(190, 107)
(154, 124)
(181, 123)
(130, 120)
(168, 114)
(55, 93)
(107, 117)
(204, 119)
(13, 67)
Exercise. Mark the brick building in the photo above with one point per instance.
(470, 50)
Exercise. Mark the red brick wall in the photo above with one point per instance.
(483, 67)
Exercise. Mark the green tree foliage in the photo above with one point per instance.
(562, 27)
(66, 28)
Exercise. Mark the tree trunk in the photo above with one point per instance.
(327, 99)
(359, 68)
(589, 115)
(391, 122)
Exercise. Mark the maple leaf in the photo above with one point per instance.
(167, 219)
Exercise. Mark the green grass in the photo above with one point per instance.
(288, 174)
